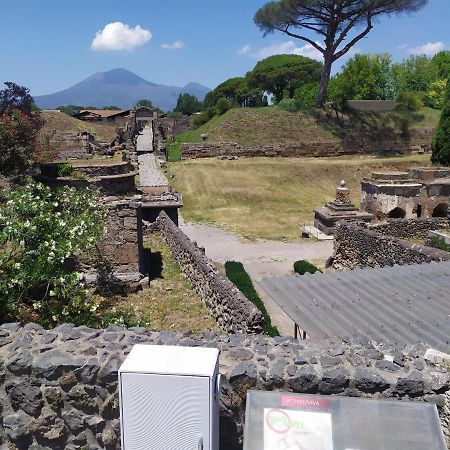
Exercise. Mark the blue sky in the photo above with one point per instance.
(47, 45)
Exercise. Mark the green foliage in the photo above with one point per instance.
(279, 73)
(144, 103)
(174, 151)
(237, 91)
(440, 244)
(222, 106)
(65, 170)
(175, 115)
(41, 232)
(409, 101)
(239, 277)
(301, 267)
(290, 104)
(414, 74)
(436, 94)
(72, 110)
(211, 112)
(188, 104)
(365, 77)
(307, 94)
(124, 316)
(441, 142)
(200, 119)
(441, 61)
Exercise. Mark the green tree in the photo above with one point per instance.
(436, 95)
(441, 61)
(188, 104)
(441, 142)
(365, 77)
(222, 106)
(21, 140)
(145, 103)
(414, 74)
(334, 20)
(279, 73)
(237, 91)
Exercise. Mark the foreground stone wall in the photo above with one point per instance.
(231, 309)
(418, 140)
(356, 246)
(59, 387)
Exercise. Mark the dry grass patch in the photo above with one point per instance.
(267, 198)
(169, 303)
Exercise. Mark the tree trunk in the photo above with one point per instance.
(324, 80)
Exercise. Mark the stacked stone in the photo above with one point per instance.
(411, 228)
(231, 309)
(59, 387)
(356, 246)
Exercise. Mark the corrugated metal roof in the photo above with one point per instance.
(401, 304)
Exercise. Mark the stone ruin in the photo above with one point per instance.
(341, 208)
(419, 193)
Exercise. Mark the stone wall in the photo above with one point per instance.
(419, 140)
(59, 387)
(410, 228)
(356, 246)
(231, 309)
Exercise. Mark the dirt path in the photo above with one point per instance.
(261, 259)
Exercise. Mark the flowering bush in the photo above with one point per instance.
(41, 231)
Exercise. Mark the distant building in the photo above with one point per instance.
(419, 193)
(116, 117)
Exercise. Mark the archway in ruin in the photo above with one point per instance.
(440, 210)
(397, 213)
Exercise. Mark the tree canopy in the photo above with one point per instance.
(20, 124)
(188, 104)
(279, 73)
(340, 23)
(441, 142)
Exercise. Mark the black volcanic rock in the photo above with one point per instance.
(121, 88)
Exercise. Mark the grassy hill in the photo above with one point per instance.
(62, 123)
(268, 198)
(273, 125)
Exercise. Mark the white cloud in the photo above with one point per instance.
(402, 47)
(175, 45)
(429, 49)
(117, 36)
(288, 48)
(244, 50)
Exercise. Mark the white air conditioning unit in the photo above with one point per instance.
(169, 398)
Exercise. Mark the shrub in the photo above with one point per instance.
(301, 267)
(200, 119)
(435, 95)
(441, 142)
(289, 104)
(222, 106)
(211, 112)
(440, 244)
(409, 101)
(239, 277)
(41, 232)
(65, 170)
(307, 94)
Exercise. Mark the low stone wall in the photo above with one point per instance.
(356, 246)
(410, 228)
(418, 140)
(231, 309)
(59, 387)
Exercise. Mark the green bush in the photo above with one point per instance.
(65, 170)
(435, 96)
(290, 104)
(441, 142)
(200, 119)
(124, 316)
(211, 112)
(222, 106)
(440, 244)
(409, 101)
(239, 277)
(301, 267)
(307, 94)
(41, 233)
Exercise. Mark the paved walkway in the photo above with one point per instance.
(144, 140)
(150, 173)
(261, 259)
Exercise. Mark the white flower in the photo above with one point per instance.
(17, 265)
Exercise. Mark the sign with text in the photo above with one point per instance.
(284, 421)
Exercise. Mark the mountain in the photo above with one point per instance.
(121, 88)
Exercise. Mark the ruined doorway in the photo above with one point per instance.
(441, 210)
(397, 213)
